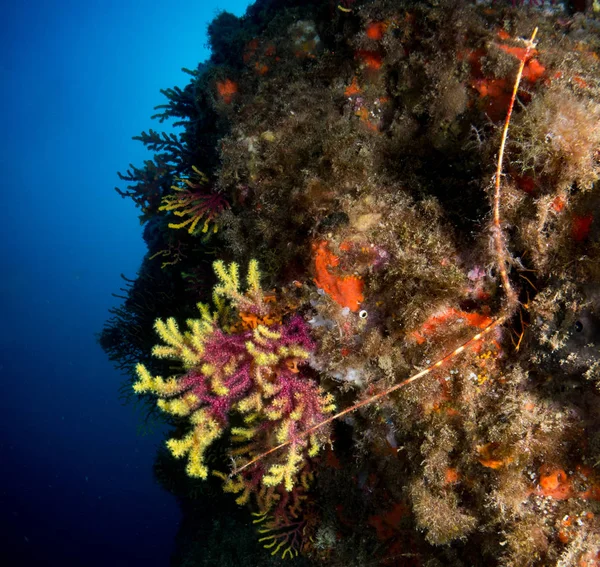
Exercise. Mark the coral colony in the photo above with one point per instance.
(370, 308)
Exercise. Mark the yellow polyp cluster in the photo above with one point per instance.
(285, 473)
(251, 301)
(146, 382)
(153, 384)
(262, 358)
(187, 348)
(206, 317)
(235, 486)
(293, 351)
(262, 333)
(229, 368)
(297, 413)
(208, 369)
(282, 432)
(252, 403)
(242, 433)
(218, 387)
(328, 402)
(216, 376)
(253, 277)
(229, 278)
(179, 406)
(275, 409)
(195, 443)
(314, 447)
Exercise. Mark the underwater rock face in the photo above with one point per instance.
(352, 149)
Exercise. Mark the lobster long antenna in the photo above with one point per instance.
(497, 233)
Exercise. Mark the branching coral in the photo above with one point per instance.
(252, 373)
(191, 200)
(148, 184)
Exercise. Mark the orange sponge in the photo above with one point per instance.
(345, 290)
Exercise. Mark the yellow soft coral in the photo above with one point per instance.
(194, 444)
(254, 373)
(191, 200)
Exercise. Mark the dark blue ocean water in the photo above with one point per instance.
(77, 80)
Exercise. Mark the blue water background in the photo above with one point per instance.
(77, 80)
